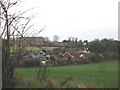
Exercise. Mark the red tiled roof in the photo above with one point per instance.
(81, 52)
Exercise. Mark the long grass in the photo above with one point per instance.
(103, 74)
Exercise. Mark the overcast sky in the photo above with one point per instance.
(84, 19)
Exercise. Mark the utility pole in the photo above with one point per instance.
(0, 53)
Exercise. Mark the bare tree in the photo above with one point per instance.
(55, 38)
(70, 39)
(13, 26)
(76, 39)
(47, 39)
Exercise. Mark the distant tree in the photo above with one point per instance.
(70, 39)
(65, 41)
(76, 40)
(79, 44)
(47, 42)
(55, 38)
(94, 46)
(47, 39)
(108, 47)
(73, 39)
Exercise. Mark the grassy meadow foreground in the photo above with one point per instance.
(104, 74)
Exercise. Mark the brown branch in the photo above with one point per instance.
(17, 31)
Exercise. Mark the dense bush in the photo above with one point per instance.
(31, 62)
(63, 61)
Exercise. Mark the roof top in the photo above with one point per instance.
(67, 53)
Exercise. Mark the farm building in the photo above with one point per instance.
(82, 53)
(31, 41)
(67, 55)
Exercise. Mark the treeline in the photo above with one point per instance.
(104, 46)
(108, 47)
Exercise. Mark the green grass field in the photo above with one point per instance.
(33, 49)
(103, 74)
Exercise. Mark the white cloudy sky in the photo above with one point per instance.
(84, 19)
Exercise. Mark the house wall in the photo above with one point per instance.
(66, 56)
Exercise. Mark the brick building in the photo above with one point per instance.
(31, 41)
